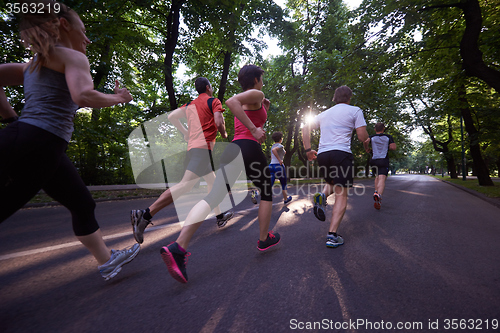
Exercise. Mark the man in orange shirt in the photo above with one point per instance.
(204, 119)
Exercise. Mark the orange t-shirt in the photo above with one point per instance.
(201, 124)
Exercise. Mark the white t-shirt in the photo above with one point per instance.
(336, 125)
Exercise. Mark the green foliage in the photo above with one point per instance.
(401, 59)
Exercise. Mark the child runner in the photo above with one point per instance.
(277, 167)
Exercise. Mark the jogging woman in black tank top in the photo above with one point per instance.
(32, 148)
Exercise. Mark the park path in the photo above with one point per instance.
(428, 259)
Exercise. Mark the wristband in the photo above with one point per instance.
(308, 150)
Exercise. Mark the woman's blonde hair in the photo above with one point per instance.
(40, 27)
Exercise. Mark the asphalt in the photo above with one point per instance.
(426, 261)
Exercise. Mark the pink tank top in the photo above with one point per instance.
(258, 118)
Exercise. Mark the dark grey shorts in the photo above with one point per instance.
(380, 166)
(199, 161)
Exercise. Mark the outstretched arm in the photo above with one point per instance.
(235, 104)
(81, 86)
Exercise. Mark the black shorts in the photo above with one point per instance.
(337, 167)
(380, 166)
(199, 161)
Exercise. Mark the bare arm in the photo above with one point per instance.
(366, 144)
(10, 75)
(362, 134)
(175, 116)
(6, 110)
(221, 125)
(236, 103)
(275, 152)
(81, 86)
(306, 139)
(392, 146)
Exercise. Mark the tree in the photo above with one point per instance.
(435, 62)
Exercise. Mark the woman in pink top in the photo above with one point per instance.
(250, 109)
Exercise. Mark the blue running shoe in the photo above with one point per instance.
(287, 199)
(334, 240)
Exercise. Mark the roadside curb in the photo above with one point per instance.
(493, 201)
(93, 188)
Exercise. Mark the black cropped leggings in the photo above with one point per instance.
(32, 159)
(256, 169)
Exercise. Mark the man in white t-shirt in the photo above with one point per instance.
(334, 156)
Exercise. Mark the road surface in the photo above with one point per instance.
(428, 259)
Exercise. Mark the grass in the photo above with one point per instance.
(472, 184)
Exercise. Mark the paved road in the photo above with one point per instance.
(430, 255)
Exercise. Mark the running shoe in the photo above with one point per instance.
(271, 240)
(225, 217)
(118, 258)
(176, 260)
(378, 200)
(254, 196)
(334, 240)
(287, 200)
(319, 200)
(139, 224)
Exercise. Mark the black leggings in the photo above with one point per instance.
(32, 159)
(255, 167)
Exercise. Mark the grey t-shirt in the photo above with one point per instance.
(281, 153)
(48, 102)
(380, 145)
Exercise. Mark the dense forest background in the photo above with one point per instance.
(412, 64)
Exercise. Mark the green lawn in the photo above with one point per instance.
(490, 191)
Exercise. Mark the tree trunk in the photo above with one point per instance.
(225, 74)
(288, 143)
(472, 57)
(170, 44)
(482, 172)
(451, 165)
(89, 171)
(498, 166)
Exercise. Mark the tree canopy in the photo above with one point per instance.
(411, 64)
